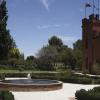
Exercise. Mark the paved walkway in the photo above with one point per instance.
(67, 93)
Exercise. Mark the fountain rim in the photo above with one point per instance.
(22, 84)
(30, 87)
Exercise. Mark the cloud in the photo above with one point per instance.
(45, 4)
(68, 38)
(81, 10)
(52, 26)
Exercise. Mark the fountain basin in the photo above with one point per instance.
(30, 85)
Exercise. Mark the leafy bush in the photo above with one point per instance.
(5, 95)
(2, 76)
(13, 74)
(93, 94)
(78, 80)
(44, 75)
(97, 81)
(66, 76)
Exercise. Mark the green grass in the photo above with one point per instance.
(25, 71)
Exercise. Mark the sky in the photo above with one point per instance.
(33, 22)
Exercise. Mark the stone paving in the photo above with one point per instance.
(66, 93)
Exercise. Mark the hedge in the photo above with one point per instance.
(5, 95)
(2, 75)
(62, 76)
(93, 94)
(47, 75)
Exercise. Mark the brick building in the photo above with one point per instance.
(91, 42)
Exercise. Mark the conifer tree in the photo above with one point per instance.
(6, 41)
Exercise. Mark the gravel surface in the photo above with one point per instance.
(66, 93)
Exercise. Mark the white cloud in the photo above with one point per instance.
(45, 4)
(68, 38)
(52, 26)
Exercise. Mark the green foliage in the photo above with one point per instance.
(19, 74)
(14, 53)
(65, 76)
(5, 95)
(6, 41)
(2, 76)
(93, 94)
(45, 75)
(56, 52)
(81, 95)
(78, 45)
(55, 41)
(30, 58)
(77, 53)
(97, 81)
(31, 63)
(78, 80)
(46, 57)
(51, 75)
(59, 67)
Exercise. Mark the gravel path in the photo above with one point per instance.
(67, 93)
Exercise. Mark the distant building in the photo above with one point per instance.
(91, 42)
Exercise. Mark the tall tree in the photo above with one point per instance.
(6, 41)
(77, 50)
(55, 41)
(46, 57)
(78, 45)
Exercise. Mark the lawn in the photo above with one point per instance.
(25, 71)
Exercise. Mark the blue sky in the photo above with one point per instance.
(33, 22)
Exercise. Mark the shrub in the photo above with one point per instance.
(97, 81)
(5, 95)
(45, 75)
(65, 76)
(78, 80)
(93, 94)
(96, 89)
(13, 74)
(2, 76)
(81, 95)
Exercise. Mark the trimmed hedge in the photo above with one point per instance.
(78, 80)
(93, 94)
(62, 76)
(53, 76)
(97, 81)
(5, 95)
(2, 75)
(65, 76)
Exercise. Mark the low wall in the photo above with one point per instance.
(30, 87)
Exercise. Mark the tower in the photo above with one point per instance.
(91, 42)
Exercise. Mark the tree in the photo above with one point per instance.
(78, 45)
(69, 58)
(55, 41)
(30, 58)
(46, 56)
(31, 62)
(6, 41)
(14, 53)
(77, 51)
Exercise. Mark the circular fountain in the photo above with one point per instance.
(30, 84)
